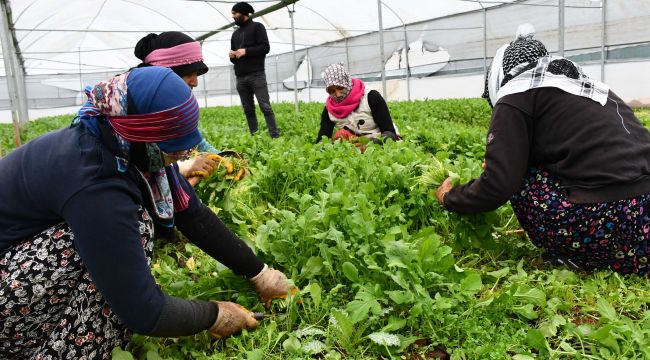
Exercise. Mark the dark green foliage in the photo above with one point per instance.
(384, 271)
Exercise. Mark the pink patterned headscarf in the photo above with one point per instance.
(182, 54)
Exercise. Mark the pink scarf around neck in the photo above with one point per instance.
(342, 109)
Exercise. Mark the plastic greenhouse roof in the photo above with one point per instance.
(85, 36)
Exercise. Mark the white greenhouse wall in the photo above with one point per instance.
(629, 80)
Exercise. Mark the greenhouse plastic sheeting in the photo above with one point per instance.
(69, 44)
(53, 35)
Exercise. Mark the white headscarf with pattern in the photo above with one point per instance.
(336, 74)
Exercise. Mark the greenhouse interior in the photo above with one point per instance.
(59, 49)
(407, 238)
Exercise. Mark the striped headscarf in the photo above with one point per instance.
(161, 112)
(153, 106)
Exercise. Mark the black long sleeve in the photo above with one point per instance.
(326, 126)
(210, 234)
(104, 234)
(380, 112)
(599, 153)
(181, 317)
(506, 159)
(261, 47)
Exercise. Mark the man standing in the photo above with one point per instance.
(248, 48)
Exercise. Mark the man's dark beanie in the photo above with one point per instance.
(243, 8)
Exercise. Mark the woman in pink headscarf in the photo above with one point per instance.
(353, 109)
(184, 56)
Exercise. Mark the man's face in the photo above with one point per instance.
(239, 18)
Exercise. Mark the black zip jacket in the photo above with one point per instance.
(252, 37)
(599, 153)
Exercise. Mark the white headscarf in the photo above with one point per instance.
(495, 76)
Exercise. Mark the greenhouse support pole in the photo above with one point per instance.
(603, 38)
(277, 80)
(347, 55)
(279, 5)
(23, 109)
(408, 66)
(16, 62)
(308, 63)
(13, 69)
(484, 40)
(81, 83)
(560, 40)
(293, 52)
(7, 50)
(381, 50)
(406, 47)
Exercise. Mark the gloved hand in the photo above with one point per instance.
(197, 166)
(232, 319)
(272, 284)
(202, 166)
(390, 135)
(344, 135)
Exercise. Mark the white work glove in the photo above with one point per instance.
(272, 284)
(232, 319)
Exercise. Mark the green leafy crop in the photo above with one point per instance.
(384, 271)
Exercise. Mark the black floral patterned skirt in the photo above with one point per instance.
(49, 307)
(614, 235)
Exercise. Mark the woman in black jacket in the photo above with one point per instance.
(77, 208)
(570, 156)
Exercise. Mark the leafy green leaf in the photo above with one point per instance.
(606, 337)
(119, 354)
(536, 340)
(292, 344)
(315, 292)
(471, 284)
(153, 355)
(363, 304)
(350, 271)
(527, 311)
(312, 267)
(530, 295)
(401, 296)
(257, 354)
(394, 323)
(606, 310)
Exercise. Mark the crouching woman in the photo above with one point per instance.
(353, 110)
(77, 208)
(570, 156)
